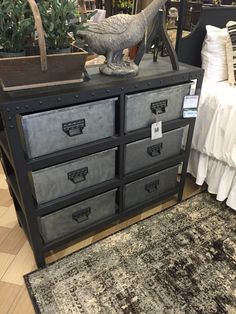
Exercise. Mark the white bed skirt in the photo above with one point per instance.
(220, 178)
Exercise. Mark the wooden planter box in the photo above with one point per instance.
(25, 72)
(44, 70)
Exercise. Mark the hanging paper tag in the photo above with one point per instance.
(156, 130)
(190, 102)
(190, 106)
(190, 113)
(193, 87)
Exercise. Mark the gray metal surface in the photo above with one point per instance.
(146, 152)
(158, 183)
(53, 182)
(138, 113)
(78, 216)
(44, 134)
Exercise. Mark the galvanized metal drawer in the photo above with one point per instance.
(141, 108)
(78, 216)
(150, 187)
(54, 130)
(147, 152)
(56, 181)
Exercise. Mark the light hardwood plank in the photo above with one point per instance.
(63, 251)
(8, 293)
(191, 188)
(22, 264)
(5, 198)
(22, 303)
(14, 241)
(3, 182)
(3, 211)
(5, 261)
(8, 219)
(4, 233)
(1, 169)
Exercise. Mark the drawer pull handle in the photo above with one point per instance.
(74, 128)
(159, 107)
(155, 150)
(152, 186)
(78, 176)
(82, 215)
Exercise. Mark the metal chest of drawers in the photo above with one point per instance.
(75, 159)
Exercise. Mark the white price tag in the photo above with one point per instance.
(190, 102)
(156, 130)
(190, 113)
(193, 87)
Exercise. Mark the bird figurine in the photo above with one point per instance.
(116, 33)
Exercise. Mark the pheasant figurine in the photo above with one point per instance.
(116, 33)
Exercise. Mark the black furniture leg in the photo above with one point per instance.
(20, 173)
(185, 163)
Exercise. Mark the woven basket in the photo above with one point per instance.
(44, 70)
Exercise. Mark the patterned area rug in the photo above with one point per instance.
(182, 260)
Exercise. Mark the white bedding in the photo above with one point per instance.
(213, 154)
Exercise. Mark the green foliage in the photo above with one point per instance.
(58, 17)
(16, 25)
(123, 4)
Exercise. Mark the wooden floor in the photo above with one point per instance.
(16, 258)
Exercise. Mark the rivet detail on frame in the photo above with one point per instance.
(40, 102)
(9, 118)
(108, 91)
(76, 96)
(8, 110)
(92, 94)
(11, 126)
(59, 99)
(17, 108)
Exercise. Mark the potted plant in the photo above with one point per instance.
(58, 16)
(16, 27)
(44, 70)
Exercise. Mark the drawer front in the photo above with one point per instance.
(53, 182)
(78, 216)
(141, 108)
(54, 130)
(150, 187)
(147, 152)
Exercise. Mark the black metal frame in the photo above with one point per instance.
(158, 38)
(189, 48)
(17, 166)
